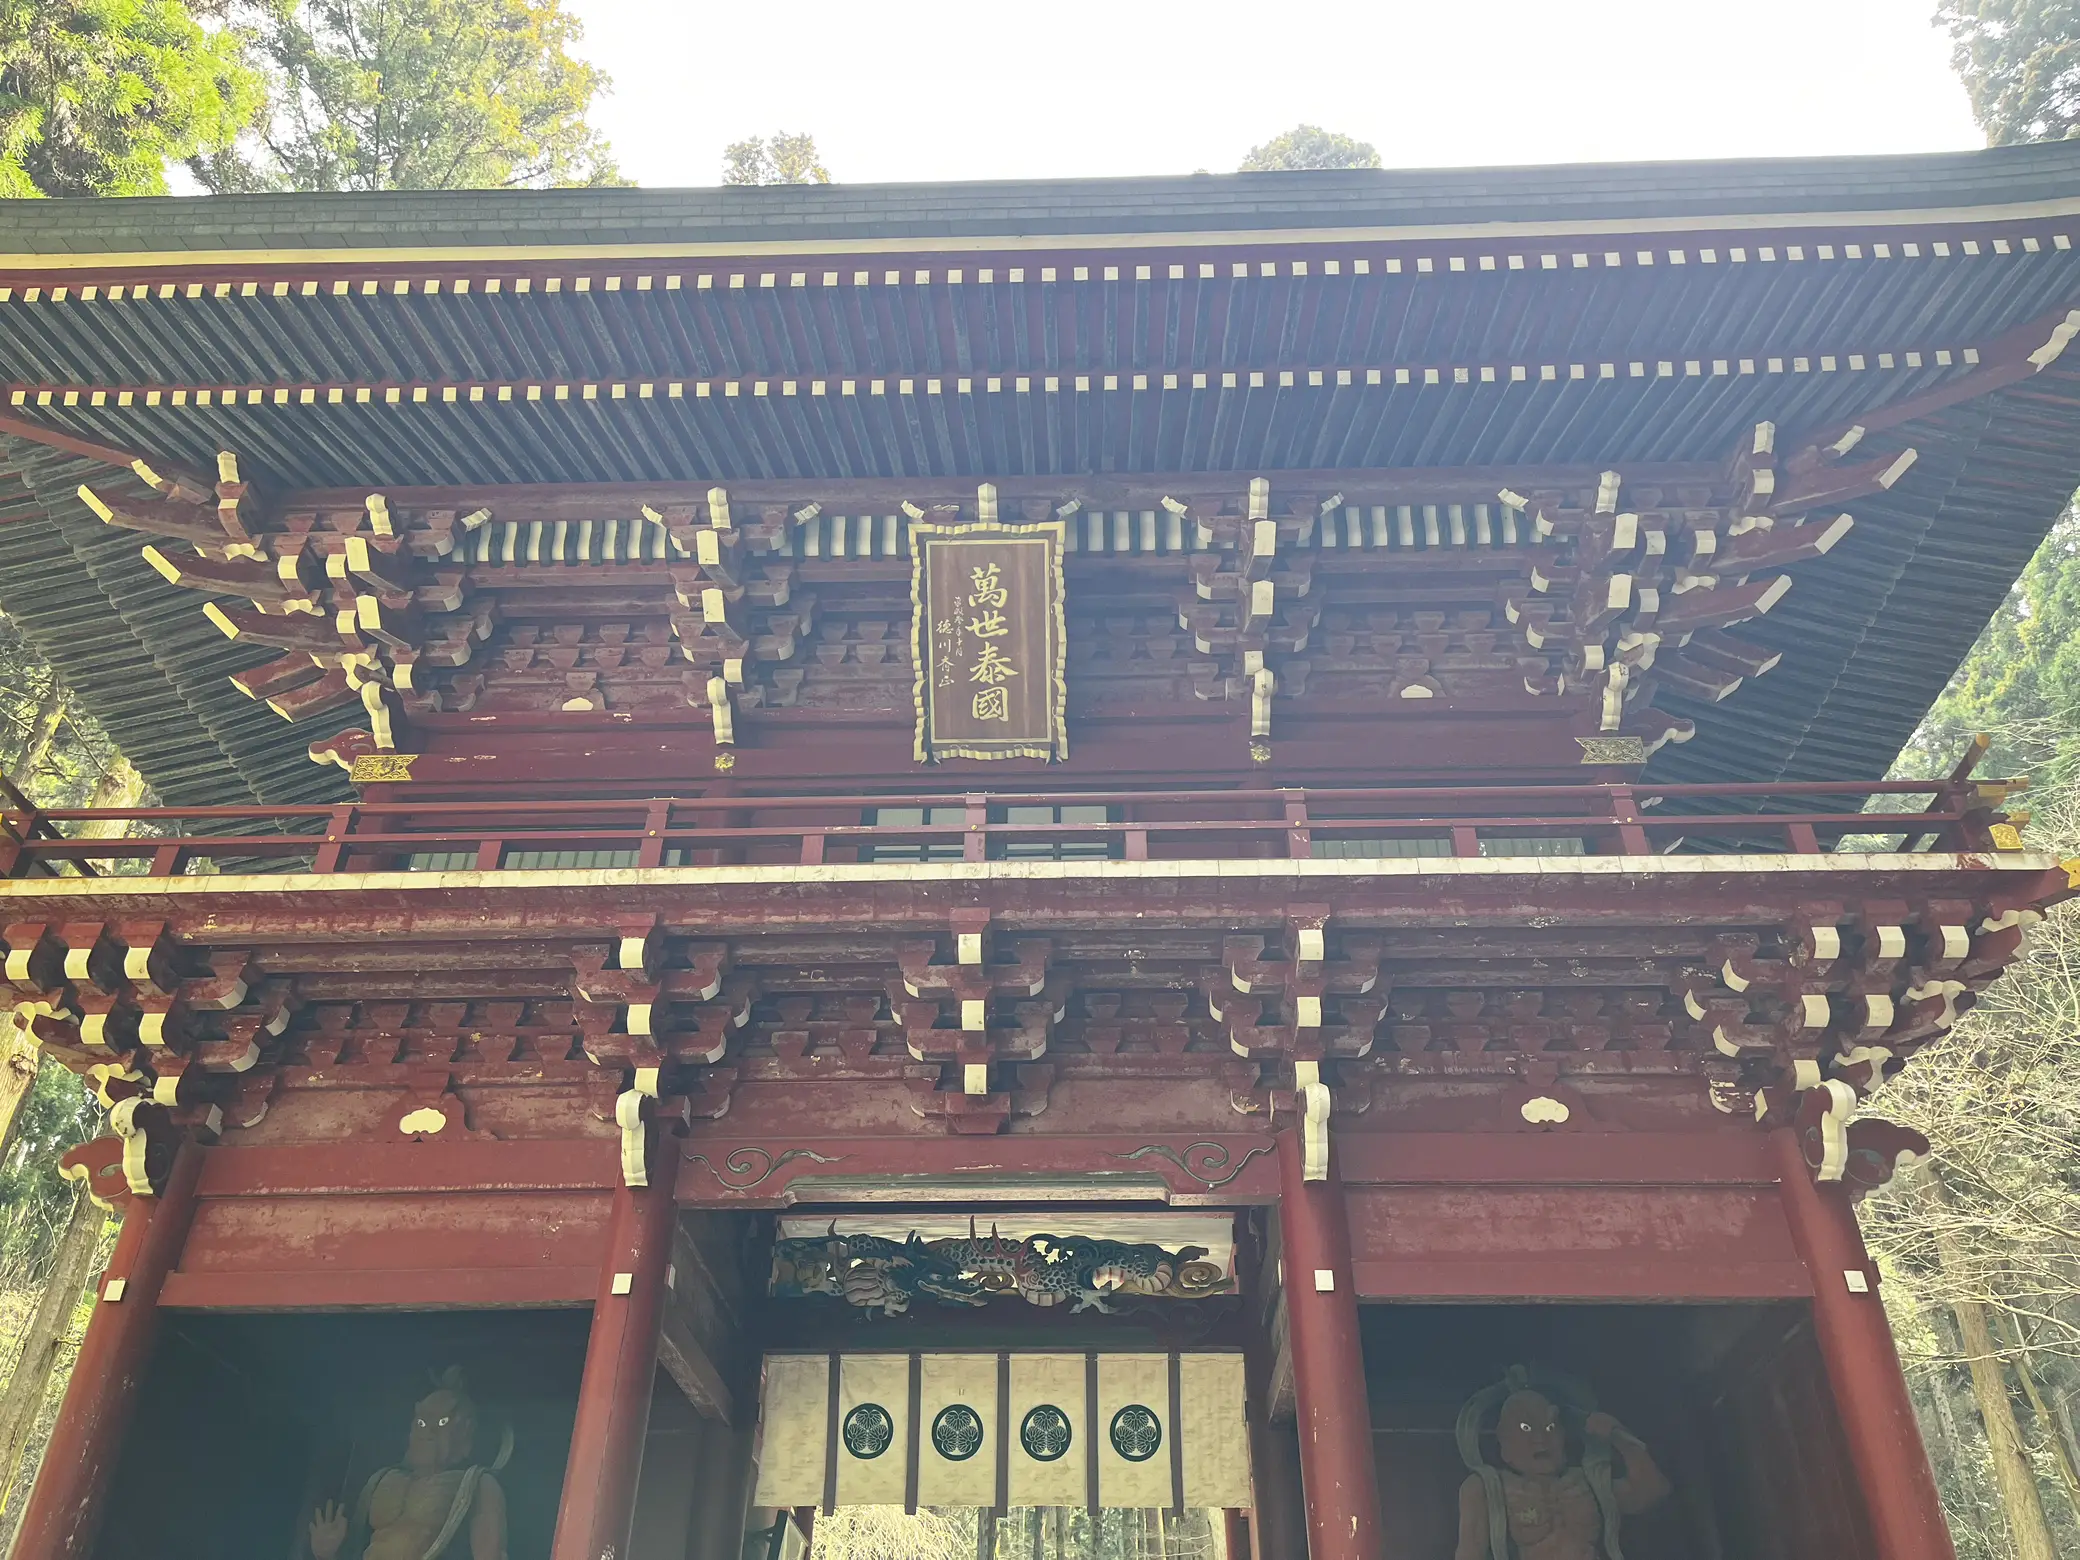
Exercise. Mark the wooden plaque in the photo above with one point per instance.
(987, 641)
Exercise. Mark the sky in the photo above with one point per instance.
(927, 89)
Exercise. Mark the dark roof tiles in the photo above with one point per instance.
(1195, 203)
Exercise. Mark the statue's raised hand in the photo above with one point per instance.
(1602, 1426)
(328, 1530)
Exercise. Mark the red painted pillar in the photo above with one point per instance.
(72, 1488)
(599, 1480)
(1870, 1393)
(1278, 1519)
(1235, 1534)
(1335, 1418)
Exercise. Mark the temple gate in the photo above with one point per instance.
(1166, 845)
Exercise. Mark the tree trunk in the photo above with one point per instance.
(23, 1400)
(2062, 1420)
(2069, 1478)
(2018, 1481)
(42, 731)
(18, 1057)
(120, 786)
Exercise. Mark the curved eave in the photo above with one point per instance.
(136, 650)
(1728, 195)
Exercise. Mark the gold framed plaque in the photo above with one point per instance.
(988, 641)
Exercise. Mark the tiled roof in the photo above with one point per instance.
(1580, 316)
(936, 212)
(135, 650)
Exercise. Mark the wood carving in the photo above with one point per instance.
(878, 1274)
(699, 612)
(1570, 1474)
(436, 1502)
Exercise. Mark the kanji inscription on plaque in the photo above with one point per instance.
(987, 640)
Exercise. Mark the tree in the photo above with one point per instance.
(415, 95)
(28, 1387)
(97, 95)
(1308, 146)
(1981, 1246)
(2020, 60)
(56, 754)
(2021, 681)
(780, 158)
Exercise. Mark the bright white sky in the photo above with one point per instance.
(931, 89)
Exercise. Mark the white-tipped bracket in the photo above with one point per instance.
(628, 1116)
(1607, 493)
(1834, 1130)
(122, 1119)
(718, 508)
(720, 713)
(2061, 337)
(986, 503)
(1315, 1105)
(1263, 684)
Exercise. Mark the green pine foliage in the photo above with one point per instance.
(781, 158)
(34, 1201)
(415, 95)
(55, 755)
(2020, 60)
(2020, 683)
(1307, 147)
(96, 96)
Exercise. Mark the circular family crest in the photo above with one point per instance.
(1136, 1433)
(868, 1431)
(1045, 1434)
(957, 1432)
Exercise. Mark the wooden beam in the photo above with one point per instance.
(700, 1327)
(107, 454)
(313, 1169)
(448, 1288)
(591, 500)
(689, 1366)
(2009, 358)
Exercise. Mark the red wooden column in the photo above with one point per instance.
(1870, 1393)
(1235, 1534)
(65, 1505)
(599, 1480)
(1335, 1417)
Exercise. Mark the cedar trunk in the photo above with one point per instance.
(2011, 1469)
(70, 1268)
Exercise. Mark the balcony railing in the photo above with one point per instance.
(1462, 821)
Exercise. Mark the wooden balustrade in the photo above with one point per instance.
(1461, 821)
